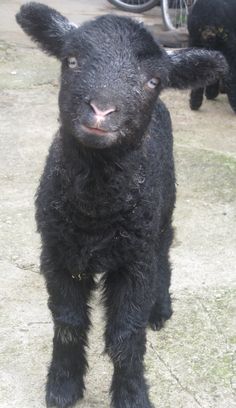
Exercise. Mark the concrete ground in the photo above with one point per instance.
(190, 364)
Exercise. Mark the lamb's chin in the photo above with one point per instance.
(95, 139)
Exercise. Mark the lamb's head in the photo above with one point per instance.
(112, 73)
(109, 81)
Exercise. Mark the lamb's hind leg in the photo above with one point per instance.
(162, 309)
(68, 303)
(196, 98)
(161, 312)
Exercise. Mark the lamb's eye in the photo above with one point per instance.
(72, 62)
(152, 83)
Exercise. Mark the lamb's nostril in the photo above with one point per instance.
(102, 113)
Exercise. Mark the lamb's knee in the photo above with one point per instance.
(122, 348)
(69, 335)
(70, 326)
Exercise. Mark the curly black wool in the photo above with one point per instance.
(107, 193)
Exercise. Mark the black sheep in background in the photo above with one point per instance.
(212, 25)
(106, 197)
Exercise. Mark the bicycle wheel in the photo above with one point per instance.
(135, 6)
(175, 13)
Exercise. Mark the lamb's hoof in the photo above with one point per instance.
(212, 92)
(158, 317)
(158, 324)
(196, 99)
(62, 392)
(195, 105)
(138, 401)
(132, 404)
(232, 100)
(211, 96)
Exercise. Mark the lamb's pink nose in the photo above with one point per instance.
(101, 113)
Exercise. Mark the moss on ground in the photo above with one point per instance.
(194, 355)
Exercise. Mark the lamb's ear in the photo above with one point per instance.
(195, 68)
(45, 26)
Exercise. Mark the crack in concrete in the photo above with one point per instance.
(27, 267)
(33, 323)
(174, 376)
(24, 267)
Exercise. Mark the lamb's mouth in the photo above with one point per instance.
(96, 137)
(95, 131)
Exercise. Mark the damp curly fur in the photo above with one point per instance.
(107, 193)
(212, 25)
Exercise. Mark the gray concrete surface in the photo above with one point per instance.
(190, 364)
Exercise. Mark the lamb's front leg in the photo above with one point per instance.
(128, 301)
(68, 303)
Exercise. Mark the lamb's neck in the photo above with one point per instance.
(104, 182)
(101, 162)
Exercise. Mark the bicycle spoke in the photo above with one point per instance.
(175, 13)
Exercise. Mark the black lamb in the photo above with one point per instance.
(212, 25)
(105, 200)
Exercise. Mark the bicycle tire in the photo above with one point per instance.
(128, 5)
(173, 20)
